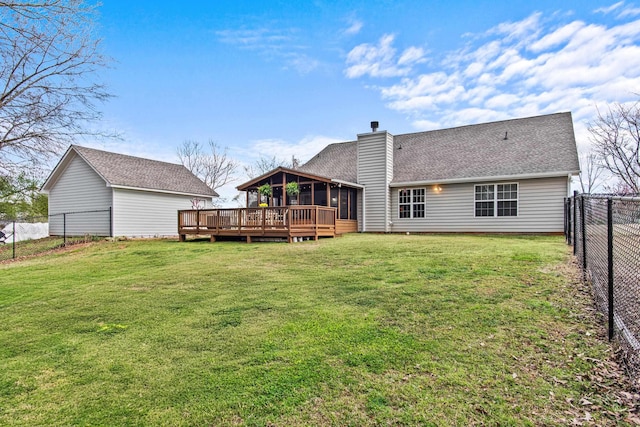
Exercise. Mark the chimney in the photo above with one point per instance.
(374, 162)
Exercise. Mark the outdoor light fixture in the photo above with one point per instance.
(437, 188)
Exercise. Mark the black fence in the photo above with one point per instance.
(605, 234)
(31, 236)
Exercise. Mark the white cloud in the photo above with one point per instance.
(255, 38)
(540, 65)
(558, 37)
(354, 28)
(301, 62)
(422, 125)
(520, 31)
(609, 9)
(412, 55)
(381, 60)
(502, 101)
(281, 44)
(634, 11)
(303, 149)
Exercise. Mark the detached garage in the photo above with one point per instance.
(108, 194)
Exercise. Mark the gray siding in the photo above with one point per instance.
(540, 209)
(375, 172)
(147, 214)
(79, 188)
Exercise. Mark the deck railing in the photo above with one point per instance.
(288, 220)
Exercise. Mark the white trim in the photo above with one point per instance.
(496, 201)
(351, 184)
(412, 203)
(480, 179)
(153, 190)
(364, 210)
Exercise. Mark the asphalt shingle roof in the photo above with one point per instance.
(533, 146)
(337, 161)
(130, 171)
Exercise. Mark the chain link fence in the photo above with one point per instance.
(605, 234)
(35, 235)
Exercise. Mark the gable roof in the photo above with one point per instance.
(122, 171)
(253, 182)
(534, 146)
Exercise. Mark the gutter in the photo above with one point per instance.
(154, 190)
(485, 178)
(350, 184)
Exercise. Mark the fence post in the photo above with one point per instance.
(610, 265)
(14, 240)
(575, 221)
(583, 227)
(567, 220)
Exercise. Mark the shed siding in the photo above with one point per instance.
(79, 188)
(375, 172)
(540, 209)
(147, 214)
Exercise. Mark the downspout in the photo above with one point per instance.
(364, 210)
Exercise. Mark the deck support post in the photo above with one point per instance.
(212, 239)
(248, 239)
(182, 237)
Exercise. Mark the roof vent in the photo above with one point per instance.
(374, 126)
(505, 136)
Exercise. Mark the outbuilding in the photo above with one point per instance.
(95, 192)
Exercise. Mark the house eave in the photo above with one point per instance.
(62, 164)
(254, 181)
(347, 183)
(154, 190)
(484, 179)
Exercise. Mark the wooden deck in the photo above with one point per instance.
(284, 222)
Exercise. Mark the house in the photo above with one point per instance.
(108, 194)
(508, 176)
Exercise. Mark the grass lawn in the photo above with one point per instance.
(359, 330)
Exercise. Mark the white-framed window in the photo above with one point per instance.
(412, 203)
(496, 199)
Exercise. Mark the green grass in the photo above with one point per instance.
(359, 330)
(27, 248)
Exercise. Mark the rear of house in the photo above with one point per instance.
(509, 176)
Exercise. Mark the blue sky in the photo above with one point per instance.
(287, 78)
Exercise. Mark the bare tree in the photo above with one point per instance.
(619, 188)
(590, 172)
(267, 164)
(47, 91)
(215, 168)
(616, 139)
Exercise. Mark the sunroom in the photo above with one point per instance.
(284, 203)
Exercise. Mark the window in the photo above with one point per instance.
(496, 200)
(348, 207)
(412, 203)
